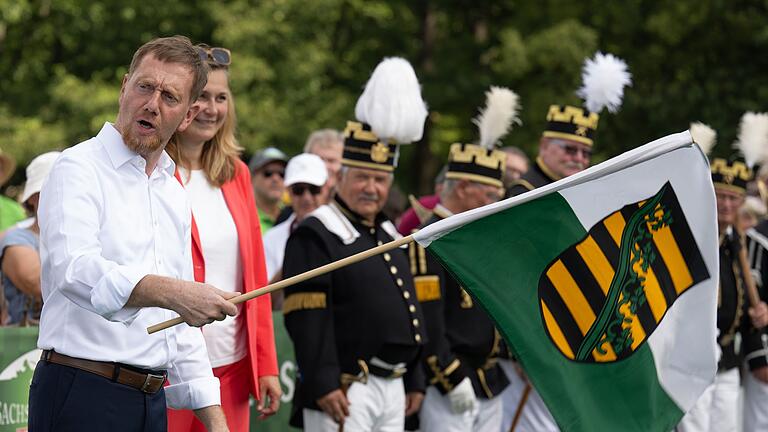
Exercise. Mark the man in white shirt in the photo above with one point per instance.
(305, 178)
(116, 257)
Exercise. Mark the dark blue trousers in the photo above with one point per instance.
(64, 399)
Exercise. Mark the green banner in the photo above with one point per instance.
(19, 355)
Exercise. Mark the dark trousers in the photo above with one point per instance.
(63, 399)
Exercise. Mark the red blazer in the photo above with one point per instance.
(238, 194)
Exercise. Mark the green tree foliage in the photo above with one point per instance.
(299, 65)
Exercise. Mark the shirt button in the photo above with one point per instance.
(415, 323)
(400, 283)
(393, 270)
(417, 338)
(387, 258)
(406, 294)
(372, 231)
(412, 308)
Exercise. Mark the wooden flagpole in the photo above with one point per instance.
(298, 278)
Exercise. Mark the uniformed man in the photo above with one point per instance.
(717, 408)
(358, 331)
(462, 354)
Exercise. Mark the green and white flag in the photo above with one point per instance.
(603, 283)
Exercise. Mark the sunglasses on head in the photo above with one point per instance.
(269, 173)
(299, 189)
(573, 150)
(219, 56)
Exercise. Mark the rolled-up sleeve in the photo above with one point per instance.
(71, 208)
(193, 385)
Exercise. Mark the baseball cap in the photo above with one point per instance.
(263, 157)
(37, 172)
(306, 168)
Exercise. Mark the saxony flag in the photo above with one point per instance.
(603, 283)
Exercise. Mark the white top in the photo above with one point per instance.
(104, 225)
(274, 245)
(223, 267)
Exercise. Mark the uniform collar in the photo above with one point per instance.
(545, 170)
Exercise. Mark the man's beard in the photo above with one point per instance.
(144, 146)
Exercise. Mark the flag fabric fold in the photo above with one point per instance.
(604, 284)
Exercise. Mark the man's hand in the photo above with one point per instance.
(197, 304)
(212, 417)
(336, 405)
(270, 391)
(413, 402)
(761, 374)
(759, 315)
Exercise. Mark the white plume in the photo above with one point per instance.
(704, 136)
(603, 80)
(391, 102)
(753, 138)
(496, 119)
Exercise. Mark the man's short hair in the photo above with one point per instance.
(175, 49)
(512, 150)
(323, 138)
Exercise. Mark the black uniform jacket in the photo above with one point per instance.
(364, 310)
(756, 341)
(732, 304)
(463, 340)
(537, 176)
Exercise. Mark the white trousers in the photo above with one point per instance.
(378, 406)
(717, 408)
(436, 415)
(755, 404)
(535, 416)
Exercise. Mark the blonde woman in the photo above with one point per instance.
(227, 251)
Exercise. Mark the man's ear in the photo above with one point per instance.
(191, 113)
(122, 87)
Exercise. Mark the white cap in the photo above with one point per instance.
(306, 168)
(37, 172)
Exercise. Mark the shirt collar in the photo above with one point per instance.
(119, 154)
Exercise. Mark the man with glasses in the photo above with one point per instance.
(305, 176)
(268, 170)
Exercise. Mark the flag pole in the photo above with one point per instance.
(298, 278)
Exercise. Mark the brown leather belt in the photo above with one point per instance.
(144, 382)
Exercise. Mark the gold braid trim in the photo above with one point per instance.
(301, 301)
(441, 376)
(728, 337)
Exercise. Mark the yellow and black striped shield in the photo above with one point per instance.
(601, 298)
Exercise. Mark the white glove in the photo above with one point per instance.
(462, 397)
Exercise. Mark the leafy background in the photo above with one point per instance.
(300, 65)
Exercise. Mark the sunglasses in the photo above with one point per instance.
(220, 56)
(270, 173)
(299, 189)
(572, 150)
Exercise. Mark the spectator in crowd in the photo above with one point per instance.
(305, 178)
(10, 211)
(421, 209)
(268, 170)
(329, 145)
(227, 251)
(115, 252)
(19, 254)
(517, 165)
(751, 213)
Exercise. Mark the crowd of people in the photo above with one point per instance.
(158, 216)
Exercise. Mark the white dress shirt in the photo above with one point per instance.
(275, 240)
(104, 225)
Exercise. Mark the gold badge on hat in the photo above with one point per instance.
(379, 152)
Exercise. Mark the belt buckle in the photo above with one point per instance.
(148, 383)
(398, 372)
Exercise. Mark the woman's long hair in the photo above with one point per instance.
(221, 152)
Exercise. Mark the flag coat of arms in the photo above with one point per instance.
(603, 283)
